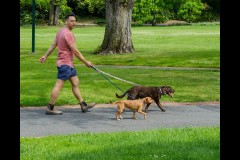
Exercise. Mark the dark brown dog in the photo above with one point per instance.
(155, 93)
(134, 105)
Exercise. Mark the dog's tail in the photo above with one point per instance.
(121, 96)
(116, 102)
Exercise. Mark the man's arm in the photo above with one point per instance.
(79, 55)
(49, 51)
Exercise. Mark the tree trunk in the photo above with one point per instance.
(53, 13)
(57, 12)
(118, 36)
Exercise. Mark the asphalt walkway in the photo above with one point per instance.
(35, 123)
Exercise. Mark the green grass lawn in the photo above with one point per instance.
(190, 86)
(174, 46)
(194, 46)
(166, 144)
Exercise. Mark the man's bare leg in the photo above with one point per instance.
(76, 91)
(54, 94)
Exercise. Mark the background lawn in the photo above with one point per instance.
(185, 47)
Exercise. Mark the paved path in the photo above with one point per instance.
(34, 122)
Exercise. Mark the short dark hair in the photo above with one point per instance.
(70, 14)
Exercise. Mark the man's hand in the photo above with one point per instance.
(89, 64)
(42, 59)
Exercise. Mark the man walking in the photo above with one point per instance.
(67, 50)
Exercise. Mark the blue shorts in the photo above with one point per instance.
(65, 72)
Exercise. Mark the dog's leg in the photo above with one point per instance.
(117, 115)
(120, 114)
(159, 105)
(120, 111)
(134, 115)
(145, 115)
(146, 108)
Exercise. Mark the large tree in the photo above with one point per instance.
(118, 35)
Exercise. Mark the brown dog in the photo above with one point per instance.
(134, 105)
(155, 93)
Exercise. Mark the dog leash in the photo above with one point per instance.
(101, 73)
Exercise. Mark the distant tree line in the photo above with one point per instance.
(51, 12)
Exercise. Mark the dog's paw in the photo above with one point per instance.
(163, 110)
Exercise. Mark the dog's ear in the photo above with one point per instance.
(149, 100)
(168, 89)
(145, 100)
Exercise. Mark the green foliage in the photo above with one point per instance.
(59, 2)
(208, 14)
(137, 23)
(144, 11)
(214, 6)
(100, 21)
(93, 6)
(41, 11)
(160, 11)
(64, 10)
(153, 11)
(190, 11)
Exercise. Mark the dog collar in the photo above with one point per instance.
(160, 89)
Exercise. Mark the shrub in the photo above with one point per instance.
(190, 11)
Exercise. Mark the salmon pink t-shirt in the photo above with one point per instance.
(64, 38)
